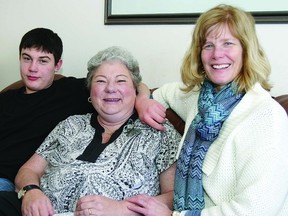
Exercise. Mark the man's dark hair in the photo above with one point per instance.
(44, 40)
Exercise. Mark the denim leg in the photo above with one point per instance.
(6, 185)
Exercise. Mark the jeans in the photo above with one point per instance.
(6, 185)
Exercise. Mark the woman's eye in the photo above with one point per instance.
(207, 46)
(121, 81)
(228, 43)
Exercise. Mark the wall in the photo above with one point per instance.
(80, 24)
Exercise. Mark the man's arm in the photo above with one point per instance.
(150, 111)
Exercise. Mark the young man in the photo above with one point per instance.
(28, 114)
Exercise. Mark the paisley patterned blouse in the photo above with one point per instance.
(129, 164)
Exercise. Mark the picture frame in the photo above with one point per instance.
(128, 12)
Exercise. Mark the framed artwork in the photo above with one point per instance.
(125, 12)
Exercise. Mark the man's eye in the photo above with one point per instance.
(100, 81)
(26, 59)
(42, 61)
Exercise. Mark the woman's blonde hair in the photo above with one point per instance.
(256, 67)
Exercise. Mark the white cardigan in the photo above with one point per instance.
(245, 170)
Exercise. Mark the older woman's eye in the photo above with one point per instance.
(122, 80)
(100, 81)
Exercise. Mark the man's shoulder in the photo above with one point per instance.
(70, 79)
(70, 83)
(11, 93)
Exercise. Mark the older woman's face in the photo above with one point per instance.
(112, 91)
(221, 57)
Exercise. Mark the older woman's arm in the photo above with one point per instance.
(30, 172)
(167, 186)
(34, 202)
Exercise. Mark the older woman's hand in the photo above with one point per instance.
(36, 203)
(100, 205)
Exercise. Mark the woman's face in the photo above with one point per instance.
(112, 91)
(221, 57)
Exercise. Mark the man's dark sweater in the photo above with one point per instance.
(26, 119)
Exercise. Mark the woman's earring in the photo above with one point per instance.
(89, 99)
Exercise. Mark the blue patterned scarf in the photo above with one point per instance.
(213, 109)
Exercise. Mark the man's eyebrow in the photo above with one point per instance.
(26, 54)
(45, 57)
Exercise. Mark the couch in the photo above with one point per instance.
(178, 123)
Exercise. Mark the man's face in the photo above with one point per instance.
(37, 69)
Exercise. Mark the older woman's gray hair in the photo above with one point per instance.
(111, 54)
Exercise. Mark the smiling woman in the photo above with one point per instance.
(234, 145)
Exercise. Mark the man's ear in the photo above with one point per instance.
(58, 65)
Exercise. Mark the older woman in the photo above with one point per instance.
(91, 163)
(234, 154)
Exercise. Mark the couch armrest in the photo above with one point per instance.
(176, 120)
(283, 101)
